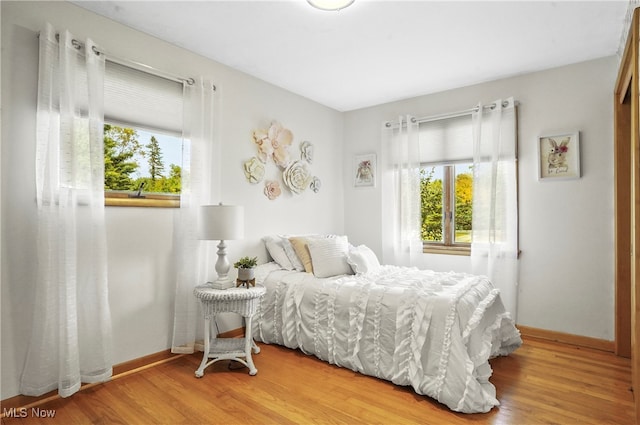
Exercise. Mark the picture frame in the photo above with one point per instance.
(559, 156)
(365, 170)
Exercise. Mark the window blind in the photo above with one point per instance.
(140, 99)
(447, 140)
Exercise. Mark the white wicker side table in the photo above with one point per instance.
(243, 301)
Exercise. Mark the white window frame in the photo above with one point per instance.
(448, 245)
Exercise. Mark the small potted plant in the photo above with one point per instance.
(245, 267)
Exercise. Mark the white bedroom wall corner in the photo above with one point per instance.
(19, 58)
(566, 273)
(364, 216)
(139, 239)
(569, 242)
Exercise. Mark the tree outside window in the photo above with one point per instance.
(137, 160)
(446, 205)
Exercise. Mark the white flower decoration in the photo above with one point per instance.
(254, 170)
(315, 184)
(265, 149)
(296, 177)
(306, 151)
(274, 143)
(281, 138)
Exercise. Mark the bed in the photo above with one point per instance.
(432, 331)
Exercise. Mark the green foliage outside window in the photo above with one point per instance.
(120, 147)
(156, 167)
(431, 206)
(464, 204)
(123, 152)
(432, 211)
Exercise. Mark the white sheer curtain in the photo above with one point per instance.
(494, 250)
(402, 191)
(71, 332)
(200, 185)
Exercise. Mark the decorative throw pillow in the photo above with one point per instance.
(276, 250)
(329, 256)
(363, 260)
(291, 254)
(299, 244)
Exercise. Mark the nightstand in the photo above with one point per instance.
(243, 301)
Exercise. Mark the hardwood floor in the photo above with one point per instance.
(541, 383)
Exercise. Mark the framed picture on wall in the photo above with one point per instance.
(364, 170)
(559, 156)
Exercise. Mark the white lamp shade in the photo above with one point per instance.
(221, 222)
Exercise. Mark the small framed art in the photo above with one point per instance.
(364, 171)
(559, 156)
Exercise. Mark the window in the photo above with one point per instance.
(446, 185)
(142, 138)
(446, 206)
(142, 168)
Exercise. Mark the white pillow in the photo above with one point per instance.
(329, 256)
(363, 260)
(291, 254)
(300, 262)
(276, 250)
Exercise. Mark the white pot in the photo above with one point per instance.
(246, 274)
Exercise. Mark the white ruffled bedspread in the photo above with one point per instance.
(432, 331)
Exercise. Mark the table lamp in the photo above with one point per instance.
(223, 223)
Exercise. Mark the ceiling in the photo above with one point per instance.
(375, 52)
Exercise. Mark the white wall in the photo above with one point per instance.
(140, 240)
(566, 227)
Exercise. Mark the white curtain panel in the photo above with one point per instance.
(200, 183)
(71, 332)
(494, 247)
(402, 199)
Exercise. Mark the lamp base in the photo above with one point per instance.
(222, 284)
(222, 268)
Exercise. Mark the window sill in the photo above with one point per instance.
(446, 250)
(122, 199)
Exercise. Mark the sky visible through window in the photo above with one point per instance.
(437, 172)
(171, 147)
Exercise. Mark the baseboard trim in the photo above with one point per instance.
(126, 368)
(119, 371)
(565, 338)
(233, 333)
(144, 362)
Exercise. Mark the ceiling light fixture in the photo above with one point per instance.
(331, 5)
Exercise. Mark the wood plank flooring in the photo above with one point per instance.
(541, 383)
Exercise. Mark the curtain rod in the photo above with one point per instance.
(143, 67)
(133, 64)
(462, 113)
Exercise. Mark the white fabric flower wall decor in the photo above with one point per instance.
(273, 145)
